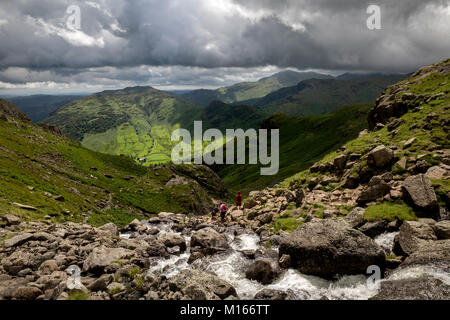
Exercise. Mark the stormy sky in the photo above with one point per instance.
(183, 44)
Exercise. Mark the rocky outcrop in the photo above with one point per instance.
(431, 253)
(329, 247)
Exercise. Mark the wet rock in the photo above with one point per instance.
(442, 229)
(195, 256)
(356, 217)
(210, 240)
(102, 256)
(329, 247)
(273, 294)
(263, 270)
(156, 248)
(285, 261)
(134, 225)
(380, 156)
(418, 191)
(171, 240)
(200, 285)
(423, 288)
(11, 220)
(413, 234)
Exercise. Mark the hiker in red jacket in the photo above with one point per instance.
(238, 200)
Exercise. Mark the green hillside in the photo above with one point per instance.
(320, 96)
(63, 181)
(251, 90)
(138, 122)
(39, 107)
(303, 140)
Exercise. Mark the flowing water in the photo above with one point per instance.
(231, 267)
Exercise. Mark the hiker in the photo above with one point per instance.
(214, 211)
(223, 211)
(238, 200)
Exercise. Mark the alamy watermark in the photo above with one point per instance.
(374, 20)
(213, 153)
(73, 21)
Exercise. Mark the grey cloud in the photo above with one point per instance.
(120, 36)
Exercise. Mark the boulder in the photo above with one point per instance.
(339, 162)
(442, 229)
(413, 234)
(263, 270)
(380, 156)
(102, 256)
(26, 293)
(172, 240)
(418, 191)
(11, 220)
(431, 253)
(20, 260)
(101, 284)
(375, 228)
(355, 218)
(111, 228)
(200, 285)
(329, 247)
(17, 240)
(377, 188)
(48, 267)
(422, 288)
(285, 261)
(299, 196)
(273, 294)
(209, 240)
(265, 218)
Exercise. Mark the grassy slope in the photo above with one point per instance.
(303, 140)
(428, 141)
(34, 161)
(313, 97)
(139, 121)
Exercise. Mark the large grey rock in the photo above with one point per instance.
(413, 234)
(442, 229)
(210, 240)
(377, 188)
(172, 240)
(422, 288)
(17, 240)
(329, 247)
(200, 285)
(374, 228)
(380, 156)
(263, 270)
(20, 260)
(419, 192)
(102, 256)
(355, 218)
(431, 253)
(111, 228)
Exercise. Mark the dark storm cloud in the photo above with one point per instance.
(208, 42)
